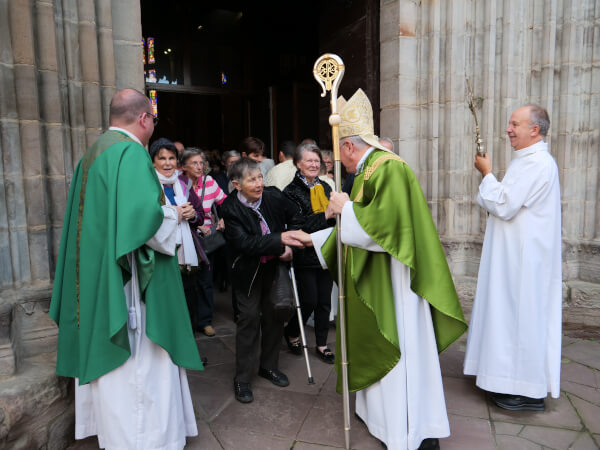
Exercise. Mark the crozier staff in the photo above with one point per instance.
(401, 302)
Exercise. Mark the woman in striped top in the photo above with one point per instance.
(193, 163)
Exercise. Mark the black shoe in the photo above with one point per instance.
(274, 376)
(295, 346)
(430, 444)
(242, 392)
(326, 355)
(518, 402)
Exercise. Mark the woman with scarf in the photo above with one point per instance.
(314, 283)
(178, 191)
(255, 222)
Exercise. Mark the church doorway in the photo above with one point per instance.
(221, 71)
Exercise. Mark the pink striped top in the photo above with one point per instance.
(212, 194)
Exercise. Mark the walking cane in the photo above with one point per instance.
(311, 380)
(329, 71)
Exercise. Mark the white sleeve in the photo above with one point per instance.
(164, 241)
(319, 238)
(353, 234)
(518, 189)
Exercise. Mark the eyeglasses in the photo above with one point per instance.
(154, 119)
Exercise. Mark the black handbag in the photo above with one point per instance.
(282, 293)
(215, 240)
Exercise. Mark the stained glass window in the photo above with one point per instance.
(154, 101)
(143, 51)
(150, 42)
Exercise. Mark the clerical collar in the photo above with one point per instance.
(128, 133)
(533, 148)
(361, 163)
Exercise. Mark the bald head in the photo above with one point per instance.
(126, 106)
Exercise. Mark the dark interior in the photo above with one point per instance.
(225, 70)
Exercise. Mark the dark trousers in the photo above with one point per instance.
(218, 261)
(256, 318)
(314, 290)
(198, 288)
(230, 256)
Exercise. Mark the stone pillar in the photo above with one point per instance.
(57, 76)
(514, 53)
(127, 39)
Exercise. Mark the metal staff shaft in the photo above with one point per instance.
(311, 380)
(329, 71)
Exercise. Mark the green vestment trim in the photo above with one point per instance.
(119, 210)
(394, 213)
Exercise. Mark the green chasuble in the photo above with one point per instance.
(114, 207)
(390, 206)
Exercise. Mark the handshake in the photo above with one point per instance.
(296, 238)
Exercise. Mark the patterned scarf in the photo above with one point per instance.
(264, 227)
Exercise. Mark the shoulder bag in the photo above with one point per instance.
(215, 240)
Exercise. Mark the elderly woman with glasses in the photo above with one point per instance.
(311, 195)
(193, 163)
(256, 220)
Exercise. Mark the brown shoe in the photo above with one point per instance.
(208, 330)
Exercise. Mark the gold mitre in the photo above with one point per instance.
(357, 118)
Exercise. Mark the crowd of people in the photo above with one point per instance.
(151, 228)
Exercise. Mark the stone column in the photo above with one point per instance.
(127, 39)
(514, 53)
(57, 75)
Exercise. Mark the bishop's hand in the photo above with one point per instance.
(337, 200)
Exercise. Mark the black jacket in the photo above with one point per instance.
(299, 193)
(244, 235)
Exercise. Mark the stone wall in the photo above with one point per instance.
(514, 52)
(60, 63)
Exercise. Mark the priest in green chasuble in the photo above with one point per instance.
(124, 329)
(402, 307)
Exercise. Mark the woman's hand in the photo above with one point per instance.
(187, 211)
(287, 254)
(221, 225)
(296, 238)
(204, 230)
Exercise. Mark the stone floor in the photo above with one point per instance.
(309, 417)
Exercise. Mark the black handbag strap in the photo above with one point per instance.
(203, 189)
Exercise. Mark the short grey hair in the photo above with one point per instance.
(327, 154)
(306, 147)
(188, 152)
(389, 141)
(241, 168)
(230, 154)
(539, 116)
(357, 141)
